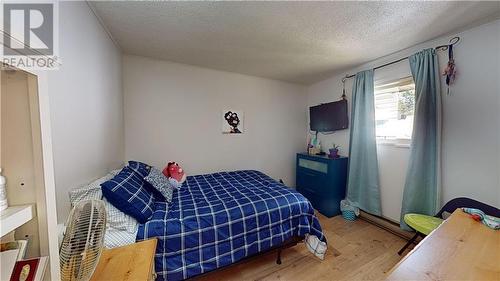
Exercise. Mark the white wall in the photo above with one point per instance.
(86, 103)
(471, 153)
(173, 112)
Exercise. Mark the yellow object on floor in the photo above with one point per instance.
(422, 223)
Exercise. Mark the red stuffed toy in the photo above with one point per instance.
(175, 174)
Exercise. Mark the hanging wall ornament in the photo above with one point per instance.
(450, 70)
(343, 88)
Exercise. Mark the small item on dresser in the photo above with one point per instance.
(314, 151)
(29, 270)
(308, 142)
(175, 174)
(334, 151)
(314, 148)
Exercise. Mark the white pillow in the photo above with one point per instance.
(89, 191)
(115, 172)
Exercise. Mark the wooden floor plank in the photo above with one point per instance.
(356, 251)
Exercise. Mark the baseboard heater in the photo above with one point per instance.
(386, 224)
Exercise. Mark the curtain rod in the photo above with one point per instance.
(452, 41)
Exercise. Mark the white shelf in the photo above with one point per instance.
(15, 216)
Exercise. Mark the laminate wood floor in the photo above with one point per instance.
(356, 251)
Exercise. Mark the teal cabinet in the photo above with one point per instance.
(323, 181)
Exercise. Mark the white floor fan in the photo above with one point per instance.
(83, 240)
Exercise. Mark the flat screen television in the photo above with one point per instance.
(329, 117)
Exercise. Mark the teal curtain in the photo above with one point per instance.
(422, 189)
(363, 183)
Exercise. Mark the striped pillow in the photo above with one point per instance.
(127, 192)
(117, 238)
(118, 219)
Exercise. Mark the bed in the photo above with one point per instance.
(216, 220)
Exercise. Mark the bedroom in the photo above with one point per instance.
(153, 82)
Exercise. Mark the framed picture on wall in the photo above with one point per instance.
(232, 121)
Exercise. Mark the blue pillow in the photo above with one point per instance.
(143, 170)
(140, 168)
(127, 192)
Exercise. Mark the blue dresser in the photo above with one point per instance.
(323, 181)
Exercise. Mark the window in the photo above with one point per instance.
(394, 109)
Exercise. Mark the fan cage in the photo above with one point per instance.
(83, 240)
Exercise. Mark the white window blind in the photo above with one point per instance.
(394, 109)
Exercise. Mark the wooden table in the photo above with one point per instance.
(459, 249)
(134, 262)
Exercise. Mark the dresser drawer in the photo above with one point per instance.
(314, 181)
(311, 196)
(316, 166)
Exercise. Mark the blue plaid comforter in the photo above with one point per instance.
(218, 219)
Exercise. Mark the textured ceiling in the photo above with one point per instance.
(301, 42)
